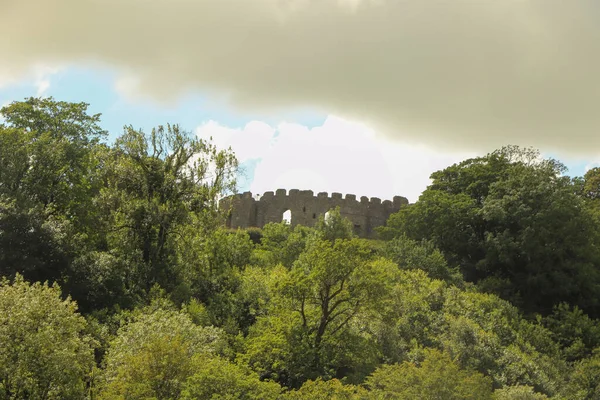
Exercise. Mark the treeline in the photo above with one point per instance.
(119, 282)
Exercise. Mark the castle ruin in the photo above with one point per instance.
(365, 214)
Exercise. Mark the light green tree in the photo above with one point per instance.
(584, 382)
(436, 377)
(320, 303)
(326, 390)
(216, 378)
(153, 354)
(518, 393)
(44, 353)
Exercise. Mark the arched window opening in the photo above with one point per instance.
(327, 217)
(287, 217)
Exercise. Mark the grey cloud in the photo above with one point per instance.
(470, 75)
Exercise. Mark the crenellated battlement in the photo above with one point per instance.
(305, 208)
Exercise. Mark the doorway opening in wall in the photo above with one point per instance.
(357, 229)
(287, 217)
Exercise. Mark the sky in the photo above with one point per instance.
(367, 97)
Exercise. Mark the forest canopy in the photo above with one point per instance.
(118, 279)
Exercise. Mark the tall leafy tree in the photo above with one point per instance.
(47, 153)
(47, 185)
(157, 186)
(513, 224)
(320, 303)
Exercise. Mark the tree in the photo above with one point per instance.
(280, 243)
(320, 303)
(409, 254)
(218, 378)
(31, 243)
(154, 353)
(158, 188)
(334, 226)
(591, 184)
(325, 390)
(479, 331)
(44, 353)
(436, 377)
(518, 393)
(584, 382)
(47, 184)
(577, 334)
(212, 264)
(589, 189)
(514, 225)
(46, 151)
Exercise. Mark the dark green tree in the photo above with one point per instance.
(158, 188)
(47, 186)
(514, 225)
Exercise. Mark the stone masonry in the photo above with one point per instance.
(366, 214)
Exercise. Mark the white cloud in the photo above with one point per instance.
(38, 74)
(339, 156)
(248, 143)
(43, 74)
(450, 74)
(591, 165)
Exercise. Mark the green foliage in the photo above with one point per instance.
(45, 150)
(325, 390)
(216, 378)
(334, 226)
(282, 244)
(60, 118)
(159, 187)
(177, 307)
(518, 393)
(591, 184)
(584, 382)
(513, 225)
(577, 333)
(31, 243)
(44, 353)
(153, 354)
(318, 304)
(211, 268)
(409, 254)
(197, 312)
(480, 331)
(46, 185)
(438, 376)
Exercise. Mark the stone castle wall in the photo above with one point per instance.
(366, 214)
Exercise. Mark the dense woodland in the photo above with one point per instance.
(119, 282)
